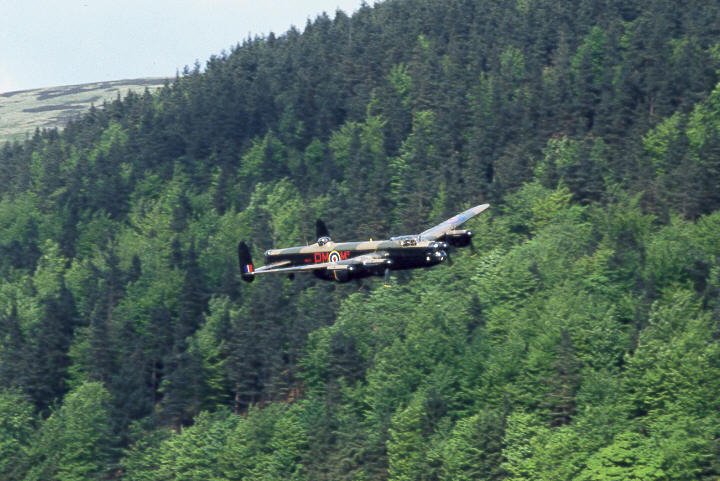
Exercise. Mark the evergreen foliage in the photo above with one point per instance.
(579, 342)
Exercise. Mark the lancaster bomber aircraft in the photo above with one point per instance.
(343, 261)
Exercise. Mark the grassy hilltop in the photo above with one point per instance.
(21, 112)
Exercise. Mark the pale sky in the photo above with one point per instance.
(48, 43)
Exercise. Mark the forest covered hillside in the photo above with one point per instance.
(580, 341)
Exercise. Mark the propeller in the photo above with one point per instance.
(386, 277)
(386, 273)
(444, 247)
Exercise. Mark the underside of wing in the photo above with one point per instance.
(374, 258)
(452, 223)
(270, 269)
(276, 265)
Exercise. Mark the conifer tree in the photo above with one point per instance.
(76, 442)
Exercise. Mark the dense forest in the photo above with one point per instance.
(580, 342)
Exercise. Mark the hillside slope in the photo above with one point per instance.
(579, 343)
(23, 111)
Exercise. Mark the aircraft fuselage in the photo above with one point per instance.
(396, 255)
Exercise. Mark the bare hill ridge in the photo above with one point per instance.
(23, 111)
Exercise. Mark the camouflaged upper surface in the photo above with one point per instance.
(367, 246)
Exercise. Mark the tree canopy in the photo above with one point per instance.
(579, 342)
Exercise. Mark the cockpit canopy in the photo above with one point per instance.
(406, 240)
(323, 240)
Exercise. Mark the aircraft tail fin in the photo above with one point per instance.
(321, 229)
(246, 263)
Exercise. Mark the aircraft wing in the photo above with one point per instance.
(452, 223)
(371, 259)
(305, 268)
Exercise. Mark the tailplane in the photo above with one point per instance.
(246, 264)
(321, 232)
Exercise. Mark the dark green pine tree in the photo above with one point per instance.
(585, 175)
(229, 283)
(181, 213)
(102, 347)
(183, 386)
(193, 296)
(108, 191)
(346, 362)
(590, 76)
(46, 357)
(475, 449)
(563, 382)
(260, 351)
(134, 393)
(221, 189)
(23, 253)
(11, 355)
(707, 176)
(245, 367)
(102, 328)
(135, 269)
(157, 347)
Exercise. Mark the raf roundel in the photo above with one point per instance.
(334, 256)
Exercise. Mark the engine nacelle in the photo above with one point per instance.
(459, 238)
(341, 275)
